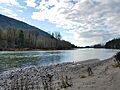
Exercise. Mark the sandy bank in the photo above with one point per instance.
(66, 76)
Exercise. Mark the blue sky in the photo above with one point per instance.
(81, 22)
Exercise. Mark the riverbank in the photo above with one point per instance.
(66, 76)
(36, 49)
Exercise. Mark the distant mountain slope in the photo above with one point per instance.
(113, 44)
(17, 35)
(10, 22)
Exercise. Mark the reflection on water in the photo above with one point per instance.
(11, 59)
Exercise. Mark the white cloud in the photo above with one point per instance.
(83, 16)
(10, 13)
(31, 3)
(10, 2)
(20, 11)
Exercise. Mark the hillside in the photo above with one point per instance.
(113, 44)
(6, 22)
(16, 34)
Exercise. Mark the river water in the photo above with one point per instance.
(13, 59)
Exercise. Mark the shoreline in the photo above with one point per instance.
(52, 65)
(34, 49)
(65, 76)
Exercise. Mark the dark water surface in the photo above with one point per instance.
(11, 59)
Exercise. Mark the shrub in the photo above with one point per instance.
(115, 65)
(82, 76)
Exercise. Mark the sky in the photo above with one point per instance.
(81, 22)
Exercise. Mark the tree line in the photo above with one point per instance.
(113, 44)
(12, 38)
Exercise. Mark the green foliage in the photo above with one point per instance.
(115, 65)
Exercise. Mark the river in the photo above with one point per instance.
(13, 59)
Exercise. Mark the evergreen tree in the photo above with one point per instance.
(113, 44)
(21, 39)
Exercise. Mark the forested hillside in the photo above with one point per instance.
(15, 35)
(113, 44)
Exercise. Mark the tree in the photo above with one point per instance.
(12, 38)
(113, 44)
(21, 39)
(58, 35)
(0, 38)
(0, 34)
(52, 35)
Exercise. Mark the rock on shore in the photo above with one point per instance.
(66, 76)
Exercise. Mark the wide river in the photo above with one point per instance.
(12, 59)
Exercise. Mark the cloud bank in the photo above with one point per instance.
(30, 3)
(87, 21)
(95, 21)
(11, 8)
(9, 2)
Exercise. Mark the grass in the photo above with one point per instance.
(115, 65)
(82, 76)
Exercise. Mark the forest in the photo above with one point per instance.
(18, 35)
(18, 39)
(113, 44)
